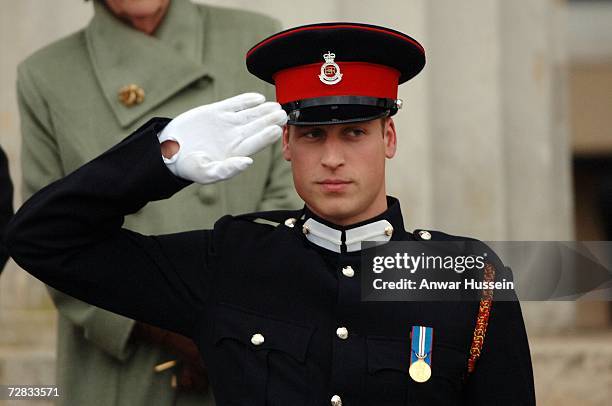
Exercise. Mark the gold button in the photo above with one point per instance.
(336, 400)
(388, 230)
(290, 222)
(348, 271)
(305, 229)
(425, 235)
(257, 339)
(342, 333)
(131, 95)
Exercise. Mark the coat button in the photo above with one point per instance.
(425, 235)
(348, 271)
(208, 194)
(342, 333)
(257, 339)
(336, 400)
(131, 95)
(290, 222)
(305, 229)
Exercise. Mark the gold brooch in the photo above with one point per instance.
(131, 95)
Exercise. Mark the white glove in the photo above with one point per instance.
(216, 139)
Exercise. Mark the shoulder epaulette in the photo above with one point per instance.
(271, 218)
(427, 235)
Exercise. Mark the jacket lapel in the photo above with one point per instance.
(161, 65)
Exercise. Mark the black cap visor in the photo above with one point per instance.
(338, 110)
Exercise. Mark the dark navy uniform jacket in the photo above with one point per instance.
(262, 302)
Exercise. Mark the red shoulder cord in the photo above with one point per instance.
(482, 320)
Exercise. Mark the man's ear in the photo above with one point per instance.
(286, 149)
(390, 138)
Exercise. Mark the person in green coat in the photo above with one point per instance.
(6, 203)
(129, 64)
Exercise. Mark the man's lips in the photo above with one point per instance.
(334, 185)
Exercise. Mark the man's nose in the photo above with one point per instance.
(333, 153)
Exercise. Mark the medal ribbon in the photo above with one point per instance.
(422, 339)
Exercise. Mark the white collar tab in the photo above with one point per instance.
(332, 239)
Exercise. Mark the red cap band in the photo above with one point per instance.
(358, 79)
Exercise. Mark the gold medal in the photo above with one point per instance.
(420, 371)
(420, 353)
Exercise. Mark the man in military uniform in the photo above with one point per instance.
(273, 299)
(6, 203)
(83, 94)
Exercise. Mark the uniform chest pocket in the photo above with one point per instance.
(449, 366)
(264, 357)
(388, 362)
(389, 383)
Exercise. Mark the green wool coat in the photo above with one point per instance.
(70, 113)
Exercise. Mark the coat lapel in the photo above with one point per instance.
(161, 65)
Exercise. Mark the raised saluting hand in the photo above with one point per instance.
(216, 140)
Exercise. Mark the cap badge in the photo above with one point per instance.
(330, 71)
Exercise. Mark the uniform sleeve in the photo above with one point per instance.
(69, 236)
(503, 374)
(41, 164)
(279, 192)
(6, 204)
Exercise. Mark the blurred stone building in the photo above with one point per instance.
(506, 136)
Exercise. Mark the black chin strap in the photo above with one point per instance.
(387, 104)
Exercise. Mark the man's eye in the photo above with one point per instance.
(312, 134)
(355, 132)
